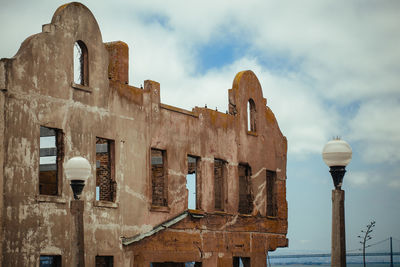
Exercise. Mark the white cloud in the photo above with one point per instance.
(344, 53)
(358, 178)
(395, 184)
(375, 125)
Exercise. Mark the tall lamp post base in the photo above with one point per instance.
(338, 255)
(77, 240)
(337, 155)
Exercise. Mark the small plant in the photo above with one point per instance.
(365, 236)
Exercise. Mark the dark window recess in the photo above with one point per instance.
(81, 66)
(272, 208)
(50, 261)
(245, 192)
(191, 182)
(158, 178)
(219, 177)
(105, 168)
(251, 116)
(50, 163)
(241, 261)
(104, 261)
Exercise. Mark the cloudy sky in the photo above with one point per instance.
(327, 68)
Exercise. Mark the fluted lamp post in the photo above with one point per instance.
(337, 155)
(77, 170)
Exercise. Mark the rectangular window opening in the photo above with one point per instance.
(104, 261)
(272, 208)
(50, 163)
(105, 168)
(158, 177)
(245, 191)
(241, 262)
(191, 182)
(219, 177)
(50, 261)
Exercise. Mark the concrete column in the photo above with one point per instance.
(338, 250)
(2, 154)
(258, 259)
(77, 240)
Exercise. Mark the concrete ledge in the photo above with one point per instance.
(159, 209)
(81, 87)
(51, 199)
(252, 133)
(105, 204)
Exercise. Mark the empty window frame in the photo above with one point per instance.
(245, 192)
(219, 184)
(104, 261)
(105, 170)
(241, 262)
(159, 177)
(272, 208)
(50, 261)
(81, 66)
(191, 182)
(251, 116)
(50, 163)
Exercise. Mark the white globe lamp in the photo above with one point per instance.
(337, 155)
(77, 170)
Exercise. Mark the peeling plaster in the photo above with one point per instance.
(259, 199)
(173, 172)
(135, 194)
(258, 173)
(229, 223)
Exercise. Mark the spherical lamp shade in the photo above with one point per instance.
(337, 153)
(77, 168)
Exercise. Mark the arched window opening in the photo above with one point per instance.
(81, 66)
(251, 116)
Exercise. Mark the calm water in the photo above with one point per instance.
(328, 265)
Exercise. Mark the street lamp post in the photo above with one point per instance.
(77, 170)
(337, 155)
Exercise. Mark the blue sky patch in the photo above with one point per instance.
(218, 54)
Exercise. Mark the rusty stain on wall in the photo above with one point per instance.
(241, 213)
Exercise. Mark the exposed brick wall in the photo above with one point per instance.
(158, 181)
(245, 194)
(219, 173)
(104, 177)
(118, 61)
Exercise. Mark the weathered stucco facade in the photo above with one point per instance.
(141, 215)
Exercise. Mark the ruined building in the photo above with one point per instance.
(168, 186)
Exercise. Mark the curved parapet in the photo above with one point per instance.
(51, 52)
(245, 87)
(246, 96)
(78, 21)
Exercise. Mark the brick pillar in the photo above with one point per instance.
(118, 61)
